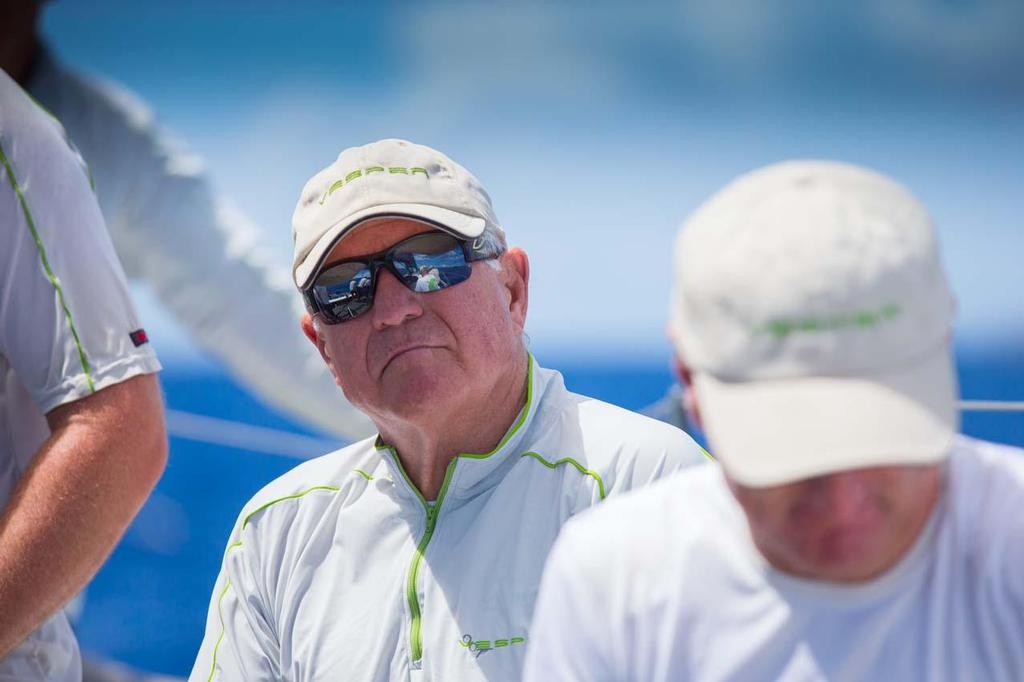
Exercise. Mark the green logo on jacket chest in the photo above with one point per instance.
(482, 646)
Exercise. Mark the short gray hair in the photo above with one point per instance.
(495, 234)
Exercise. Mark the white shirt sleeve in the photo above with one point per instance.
(569, 640)
(204, 260)
(239, 643)
(67, 325)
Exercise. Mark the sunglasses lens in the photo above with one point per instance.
(431, 262)
(424, 263)
(344, 291)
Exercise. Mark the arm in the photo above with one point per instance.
(85, 484)
(66, 352)
(239, 643)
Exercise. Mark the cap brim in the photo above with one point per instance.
(777, 431)
(459, 224)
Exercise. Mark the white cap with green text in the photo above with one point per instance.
(385, 178)
(812, 308)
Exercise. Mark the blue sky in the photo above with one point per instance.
(597, 127)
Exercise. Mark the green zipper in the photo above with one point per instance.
(415, 638)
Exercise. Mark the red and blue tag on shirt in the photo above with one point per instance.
(139, 337)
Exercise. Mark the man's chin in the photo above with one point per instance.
(421, 359)
(849, 557)
(409, 388)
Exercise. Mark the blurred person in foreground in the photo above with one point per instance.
(849, 533)
(417, 554)
(171, 230)
(82, 438)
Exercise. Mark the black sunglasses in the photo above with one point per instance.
(425, 262)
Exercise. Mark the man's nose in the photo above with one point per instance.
(848, 494)
(393, 303)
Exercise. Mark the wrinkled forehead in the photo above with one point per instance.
(376, 235)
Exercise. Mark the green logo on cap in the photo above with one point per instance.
(780, 329)
(369, 170)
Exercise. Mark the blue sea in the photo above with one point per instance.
(147, 607)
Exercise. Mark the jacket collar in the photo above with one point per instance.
(475, 472)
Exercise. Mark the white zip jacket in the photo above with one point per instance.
(341, 570)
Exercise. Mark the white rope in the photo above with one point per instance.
(991, 405)
(234, 434)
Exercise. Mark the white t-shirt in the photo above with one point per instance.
(67, 327)
(666, 584)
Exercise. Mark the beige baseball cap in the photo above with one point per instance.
(385, 178)
(812, 308)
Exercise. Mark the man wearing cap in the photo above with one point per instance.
(849, 534)
(417, 554)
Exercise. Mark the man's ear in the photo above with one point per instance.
(516, 269)
(311, 333)
(682, 371)
(309, 328)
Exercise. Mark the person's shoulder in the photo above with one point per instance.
(598, 413)
(309, 486)
(650, 505)
(644, 529)
(34, 129)
(626, 448)
(694, 495)
(987, 484)
(988, 463)
(613, 430)
(13, 103)
(987, 448)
